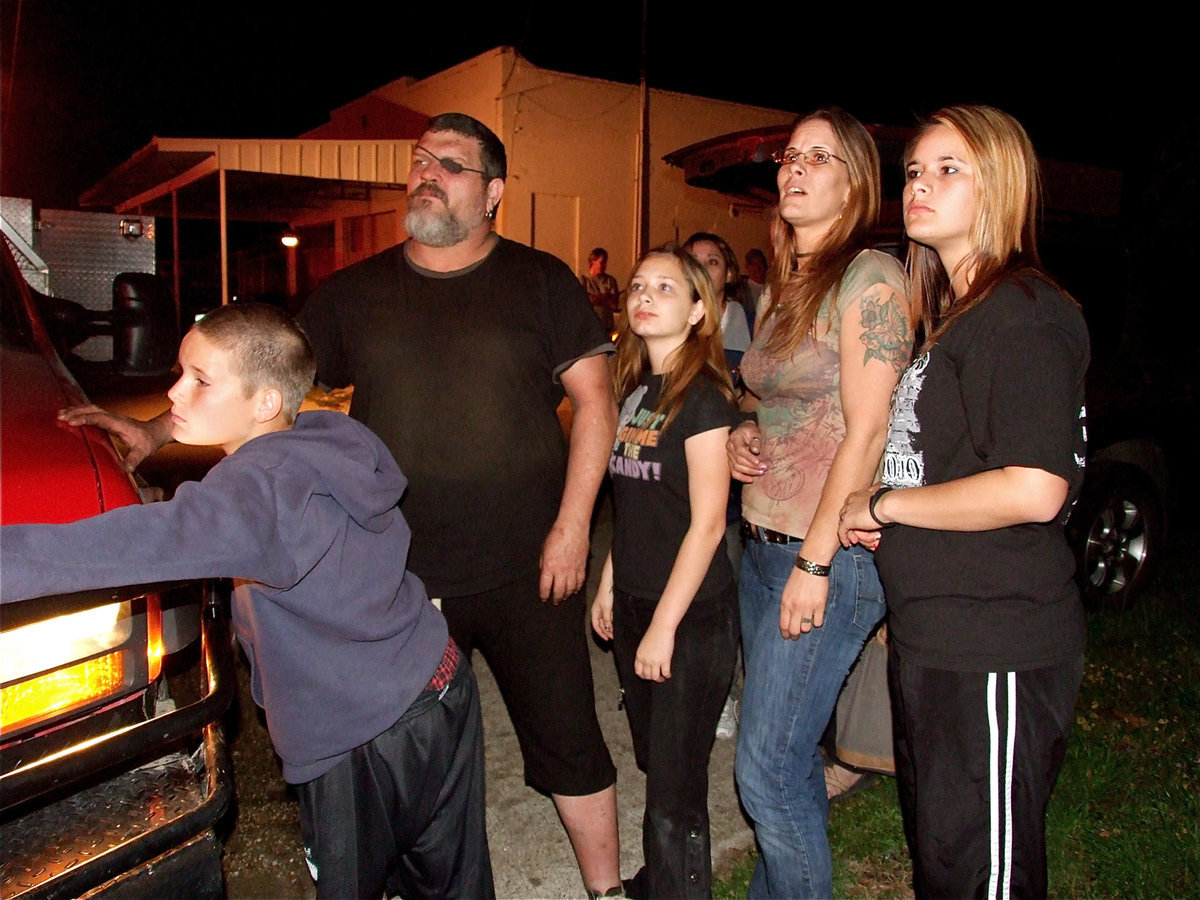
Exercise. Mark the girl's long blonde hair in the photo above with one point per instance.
(701, 355)
(796, 290)
(1003, 235)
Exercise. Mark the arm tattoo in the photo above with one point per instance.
(885, 333)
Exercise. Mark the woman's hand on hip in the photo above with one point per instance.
(802, 607)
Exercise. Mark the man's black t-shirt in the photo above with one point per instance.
(458, 374)
(1002, 387)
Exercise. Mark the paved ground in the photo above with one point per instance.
(530, 853)
(531, 857)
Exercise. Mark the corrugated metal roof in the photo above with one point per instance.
(262, 175)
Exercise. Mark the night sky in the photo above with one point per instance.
(86, 83)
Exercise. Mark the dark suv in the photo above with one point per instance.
(106, 788)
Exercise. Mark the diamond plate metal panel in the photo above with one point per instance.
(56, 838)
(86, 250)
(18, 215)
(18, 212)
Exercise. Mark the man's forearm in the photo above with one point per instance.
(592, 433)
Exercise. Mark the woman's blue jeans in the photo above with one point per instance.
(790, 692)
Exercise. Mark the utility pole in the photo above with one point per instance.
(644, 186)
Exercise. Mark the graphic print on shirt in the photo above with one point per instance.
(1080, 463)
(1081, 457)
(801, 426)
(628, 409)
(636, 428)
(903, 463)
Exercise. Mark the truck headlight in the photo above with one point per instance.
(51, 667)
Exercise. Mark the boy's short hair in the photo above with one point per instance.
(266, 349)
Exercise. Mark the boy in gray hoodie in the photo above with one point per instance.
(369, 705)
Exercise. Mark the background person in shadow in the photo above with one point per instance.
(602, 289)
(720, 262)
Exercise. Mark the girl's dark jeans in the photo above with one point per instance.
(673, 726)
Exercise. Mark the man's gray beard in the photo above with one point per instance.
(435, 229)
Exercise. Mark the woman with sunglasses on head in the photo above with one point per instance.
(832, 337)
(984, 461)
(666, 597)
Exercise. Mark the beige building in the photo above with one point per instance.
(574, 154)
(574, 169)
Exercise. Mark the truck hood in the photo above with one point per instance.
(52, 472)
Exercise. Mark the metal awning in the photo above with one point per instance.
(736, 164)
(739, 165)
(253, 180)
(265, 180)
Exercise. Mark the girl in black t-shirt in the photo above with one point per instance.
(983, 462)
(666, 598)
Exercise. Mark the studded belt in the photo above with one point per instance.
(766, 535)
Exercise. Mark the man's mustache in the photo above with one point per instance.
(428, 187)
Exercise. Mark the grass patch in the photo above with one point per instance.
(1124, 818)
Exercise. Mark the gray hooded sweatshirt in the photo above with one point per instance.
(340, 637)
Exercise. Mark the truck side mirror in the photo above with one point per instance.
(145, 325)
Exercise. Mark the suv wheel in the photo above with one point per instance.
(1115, 532)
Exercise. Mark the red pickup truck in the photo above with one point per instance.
(106, 787)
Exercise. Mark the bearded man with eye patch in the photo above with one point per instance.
(460, 345)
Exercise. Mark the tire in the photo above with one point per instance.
(1116, 532)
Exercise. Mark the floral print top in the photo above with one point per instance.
(800, 405)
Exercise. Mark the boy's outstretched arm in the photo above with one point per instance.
(207, 530)
(141, 439)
